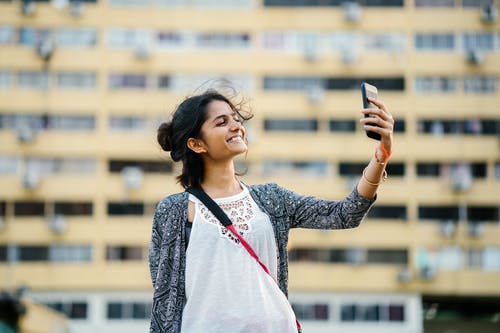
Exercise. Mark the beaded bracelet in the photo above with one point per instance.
(384, 178)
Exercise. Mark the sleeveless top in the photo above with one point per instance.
(226, 289)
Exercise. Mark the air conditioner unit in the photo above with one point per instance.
(349, 56)
(311, 53)
(76, 8)
(143, 51)
(315, 94)
(31, 179)
(404, 275)
(475, 229)
(45, 49)
(447, 228)
(475, 57)
(427, 273)
(133, 177)
(489, 13)
(355, 256)
(57, 224)
(25, 133)
(352, 11)
(28, 8)
(461, 177)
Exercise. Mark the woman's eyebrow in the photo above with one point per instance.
(223, 116)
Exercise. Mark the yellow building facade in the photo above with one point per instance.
(84, 85)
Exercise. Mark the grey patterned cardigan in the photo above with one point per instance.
(286, 209)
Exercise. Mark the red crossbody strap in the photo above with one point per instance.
(256, 257)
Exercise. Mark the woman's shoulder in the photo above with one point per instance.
(173, 200)
(267, 190)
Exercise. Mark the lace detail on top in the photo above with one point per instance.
(238, 208)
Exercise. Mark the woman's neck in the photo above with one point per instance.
(219, 180)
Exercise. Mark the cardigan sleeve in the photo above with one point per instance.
(315, 213)
(159, 221)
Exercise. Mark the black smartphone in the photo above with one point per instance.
(367, 90)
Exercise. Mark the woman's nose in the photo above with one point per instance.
(236, 125)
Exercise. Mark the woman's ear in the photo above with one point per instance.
(196, 145)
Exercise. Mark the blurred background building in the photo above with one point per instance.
(84, 85)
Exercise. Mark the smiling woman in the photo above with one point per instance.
(221, 265)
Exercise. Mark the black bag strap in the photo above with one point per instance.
(211, 205)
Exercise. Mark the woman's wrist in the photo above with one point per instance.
(382, 154)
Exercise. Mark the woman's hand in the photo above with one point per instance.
(381, 122)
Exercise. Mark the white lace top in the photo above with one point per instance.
(226, 289)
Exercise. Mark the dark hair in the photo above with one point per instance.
(186, 123)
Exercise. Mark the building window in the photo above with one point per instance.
(302, 168)
(483, 213)
(76, 37)
(163, 82)
(479, 84)
(6, 79)
(128, 123)
(169, 40)
(32, 253)
(125, 208)
(434, 3)
(342, 125)
(146, 166)
(30, 36)
(440, 213)
(351, 169)
(491, 259)
(316, 3)
(396, 83)
(428, 169)
(478, 41)
(476, 3)
(350, 255)
(291, 83)
(33, 80)
(222, 40)
(293, 125)
(399, 126)
(386, 41)
(73, 208)
(468, 126)
(386, 256)
(73, 310)
(129, 38)
(29, 208)
(76, 80)
(7, 34)
(388, 212)
(124, 253)
(3, 253)
(315, 311)
(70, 253)
(8, 164)
(2, 209)
(435, 41)
(372, 312)
(127, 81)
(128, 310)
(76, 122)
(435, 84)
(433, 169)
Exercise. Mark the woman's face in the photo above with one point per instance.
(222, 133)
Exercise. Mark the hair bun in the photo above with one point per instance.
(164, 136)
